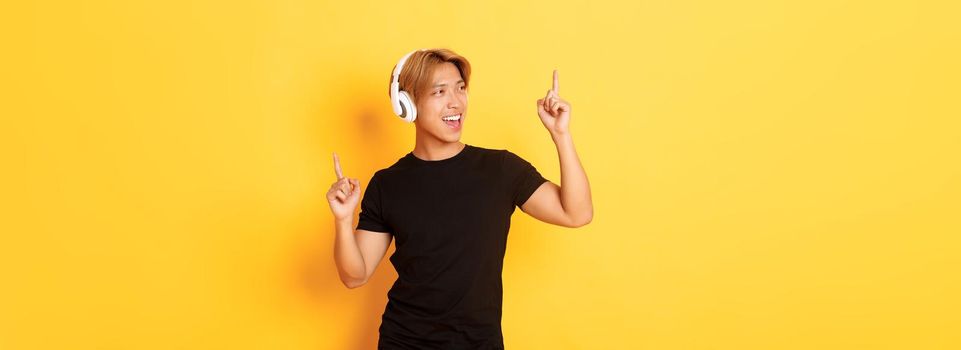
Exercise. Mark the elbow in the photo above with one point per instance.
(582, 221)
(351, 284)
(354, 285)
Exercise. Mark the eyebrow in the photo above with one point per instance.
(458, 82)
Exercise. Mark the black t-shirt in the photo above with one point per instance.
(450, 219)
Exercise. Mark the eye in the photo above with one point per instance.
(438, 92)
(463, 87)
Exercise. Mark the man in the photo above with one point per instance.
(449, 205)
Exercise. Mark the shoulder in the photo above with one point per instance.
(504, 159)
(496, 153)
(387, 173)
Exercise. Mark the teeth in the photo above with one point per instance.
(453, 117)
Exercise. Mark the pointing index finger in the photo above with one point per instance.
(556, 85)
(340, 173)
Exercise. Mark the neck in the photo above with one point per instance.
(428, 148)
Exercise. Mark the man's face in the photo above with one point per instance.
(446, 97)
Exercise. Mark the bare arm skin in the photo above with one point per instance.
(569, 204)
(356, 253)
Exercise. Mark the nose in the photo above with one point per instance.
(455, 101)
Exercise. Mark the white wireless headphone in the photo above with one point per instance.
(399, 99)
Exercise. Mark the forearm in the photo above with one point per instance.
(575, 189)
(347, 256)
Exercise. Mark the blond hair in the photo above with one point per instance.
(417, 71)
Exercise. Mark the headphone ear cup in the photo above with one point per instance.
(408, 106)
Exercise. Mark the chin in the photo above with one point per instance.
(442, 133)
(451, 139)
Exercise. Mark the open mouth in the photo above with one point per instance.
(453, 121)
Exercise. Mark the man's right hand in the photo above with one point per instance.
(344, 194)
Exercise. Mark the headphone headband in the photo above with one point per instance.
(400, 100)
(400, 65)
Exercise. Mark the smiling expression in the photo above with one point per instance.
(443, 107)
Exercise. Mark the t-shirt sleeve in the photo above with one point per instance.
(371, 208)
(522, 177)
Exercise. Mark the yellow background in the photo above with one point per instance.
(765, 175)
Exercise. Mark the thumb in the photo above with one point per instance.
(356, 190)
